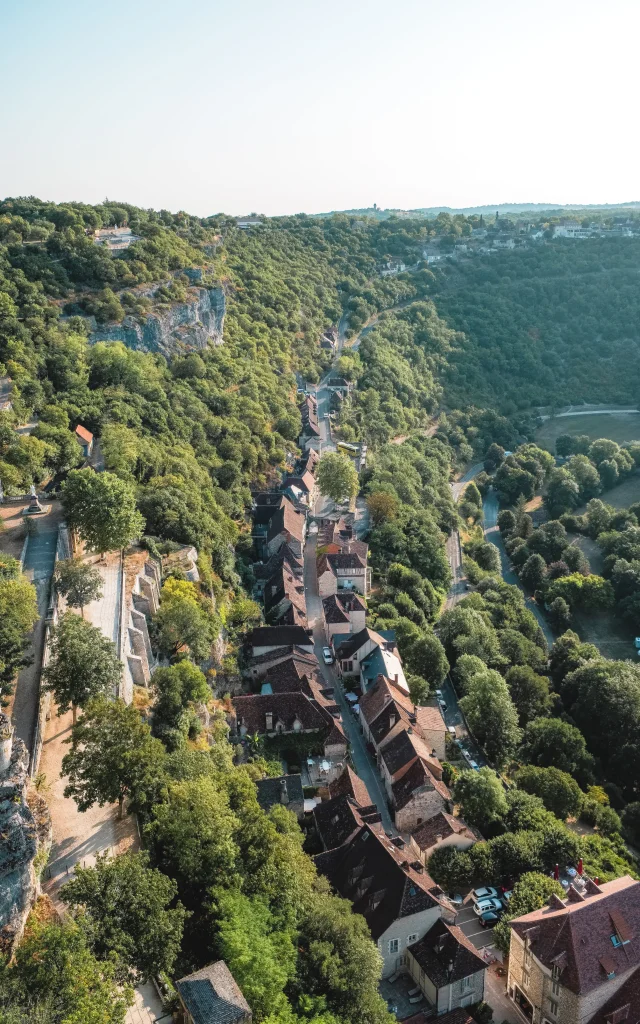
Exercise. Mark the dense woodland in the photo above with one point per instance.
(185, 441)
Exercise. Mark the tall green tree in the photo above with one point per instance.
(336, 477)
(112, 755)
(83, 664)
(492, 716)
(78, 582)
(481, 797)
(125, 907)
(102, 509)
(18, 614)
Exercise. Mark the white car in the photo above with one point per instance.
(327, 656)
(490, 906)
(438, 694)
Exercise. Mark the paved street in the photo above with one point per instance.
(468, 921)
(38, 567)
(363, 763)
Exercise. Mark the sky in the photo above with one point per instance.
(276, 107)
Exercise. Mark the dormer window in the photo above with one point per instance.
(616, 941)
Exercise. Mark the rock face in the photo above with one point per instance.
(24, 829)
(185, 327)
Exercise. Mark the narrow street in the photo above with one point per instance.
(363, 763)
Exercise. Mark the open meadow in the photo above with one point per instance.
(620, 427)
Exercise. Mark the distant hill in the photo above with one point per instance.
(517, 208)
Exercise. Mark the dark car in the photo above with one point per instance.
(490, 918)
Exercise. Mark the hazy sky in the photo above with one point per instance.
(278, 106)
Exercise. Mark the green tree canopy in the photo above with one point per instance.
(78, 582)
(83, 664)
(481, 797)
(102, 509)
(336, 477)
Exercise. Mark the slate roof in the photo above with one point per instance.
(443, 825)
(283, 556)
(577, 935)
(381, 693)
(353, 643)
(623, 1006)
(270, 790)
(346, 560)
(337, 819)
(403, 748)
(378, 879)
(291, 674)
(415, 778)
(212, 996)
(337, 606)
(278, 636)
(446, 955)
(352, 785)
(284, 586)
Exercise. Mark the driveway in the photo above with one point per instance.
(468, 922)
(363, 763)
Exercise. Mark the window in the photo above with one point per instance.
(467, 982)
(526, 977)
(555, 986)
(553, 1007)
(617, 941)
(394, 945)
(412, 938)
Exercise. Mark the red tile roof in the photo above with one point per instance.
(417, 777)
(286, 520)
(84, 434)
(383, 692)
(443, 825)
(352, 785)
(251, 712)
(580, 932)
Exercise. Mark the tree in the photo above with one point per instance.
(598, 516)
(102, 509)
(18, 613)
(492, 716)
(506, 521)
(494, 457)
(529, 692)
(451, 868)
(55, 971)
(426, 657)
(178, 687)
(533, 572)
(336, 477)
(124, 906)
(112, 755)
(418, 688)
(631, 823)
(83, 664)
(382, 506)
(182, 623)
(550, 742)
(78, 582)
(481, 797)
(559, 614)
(531, 892)
(557, 790)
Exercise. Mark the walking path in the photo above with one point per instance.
(38, 566)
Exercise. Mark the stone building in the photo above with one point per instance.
(25, 827)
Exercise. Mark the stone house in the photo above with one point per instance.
(397, 898)
(447, 967)
(85, 439)
(284, 599)
(282, 714)
(386, 709)
(267, 639)
(343, 570)
(277, 522)
(397, 755)
(417, 796)
(353, 649)
(577, 960)
(441, 829)
(344, 612)
(212, 996)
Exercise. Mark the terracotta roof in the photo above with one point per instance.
(305, 481)
(378, 879)
(383, 692)
(346, 560)
(251, 711)
(335, 735)
(291, 674)
(278, 636)
(446, 955)
(443, 825)
(309, 413)
(84, 434)
(352, 785)
(286, 520)
(582, 931)
(404, 748)
(429, 717)
(417, 777)
(212, 995)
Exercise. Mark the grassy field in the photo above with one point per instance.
(617, 427)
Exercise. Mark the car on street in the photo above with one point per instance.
(439, 694)
(488, 919)
(490, 906)
(486, 892)
(474, 765)
(451, 729)
(443, 705)
(327, 656)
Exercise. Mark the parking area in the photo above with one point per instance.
(467, 920)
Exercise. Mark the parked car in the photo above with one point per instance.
(506, 897)
(490, 918)
(443, 706)
(439, 694)
(486, 892)
(327, 656)
(474, 765)
(492, 905)
(455, 898)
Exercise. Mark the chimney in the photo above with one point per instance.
(409, 730)
(395, 678)
(438, 839)
(399, 842)
(284, 792)
(269, 720)
(6, 742)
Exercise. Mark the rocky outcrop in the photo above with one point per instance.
(25, 828)
(184, 327)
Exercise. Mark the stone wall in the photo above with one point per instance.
(186, 326)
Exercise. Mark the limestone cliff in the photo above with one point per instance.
(181, 328)
(25, 828)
